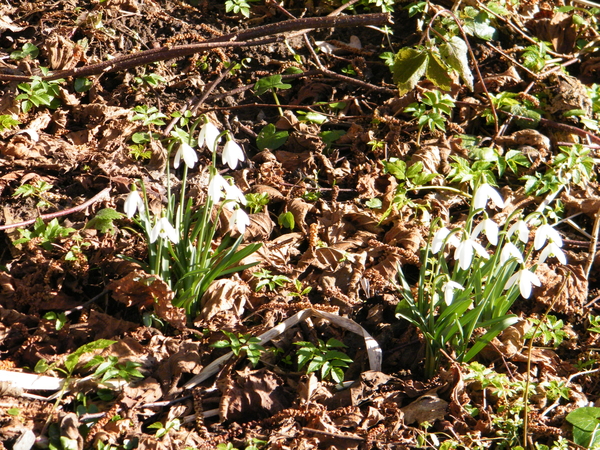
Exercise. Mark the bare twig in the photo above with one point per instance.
(247, 38)
(592, 248)
(99, 196)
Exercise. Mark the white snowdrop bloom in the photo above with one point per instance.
(133, 203)
(490, 228)
(190, 158)
(239, 220)
(164, 229)
(464, 253)
(449, 289)
(208, 136)
(439, 237)
(553, 250)
(520, 227)
(546, 233)
(509, 251)
(216, 187)
(232, 192)
(484, 193)
(232, 153)
(526, 280)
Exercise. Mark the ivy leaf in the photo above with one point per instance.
(409, 66)
(437, 72)
(455, 52)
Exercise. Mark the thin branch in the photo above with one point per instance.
(99, 196)
(245, 38)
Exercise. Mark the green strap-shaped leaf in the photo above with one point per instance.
(409, 66)
(455, 52)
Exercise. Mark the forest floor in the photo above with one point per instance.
(353, 158)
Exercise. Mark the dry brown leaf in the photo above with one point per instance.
(229, 294)
(253, 394)
(572, 298)
(427, 408)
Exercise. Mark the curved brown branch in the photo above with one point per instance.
(245, 38)
(65, 212)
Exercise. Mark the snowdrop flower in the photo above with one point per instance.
(526, 279)
(133, 203)
(164, 229)
(190, 158)
(509, 251)
(208, 136)
(232, 153)
(449, 289)
(519, 227)
(464, 252)
(239, 220)
(484, 193)
(439, 237)
(546, 233)
(490, 229)
(216, 187)
(553, 249)
(232, 192)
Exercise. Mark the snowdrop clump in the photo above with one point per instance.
(471, 276)
(180, 240)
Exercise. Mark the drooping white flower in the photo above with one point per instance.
(232, 192)
(216, 187)
(239, 220)
(520, 227)
(164, 229)
(190, 158)
(526, 280)
(546, 233)
(208, 136)
(449, 289)
(133, 203)
(484, 193)
(509, 251)
(464, 252)
(552, 249)
(439, 237)
(232, 153)
(490, 228)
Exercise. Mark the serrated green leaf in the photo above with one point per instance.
(409, 66)
(456, 54)
(437, 72)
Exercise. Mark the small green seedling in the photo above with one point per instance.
(271, 83)
(270, 138)
(430, 112)
(39, 93)
(36, 190)
(109, 368)
(238, 7)
(257, 202)
(104, 219)
(270, 281)
(148, 115)
(162, 430)
(550, 331)
(48, 232)
(286, 220)
(28, 50)
(61, 319)
(242, 343)
(323, 357)
(7, 122)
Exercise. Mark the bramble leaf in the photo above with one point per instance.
(455, 53)
(409, 66)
